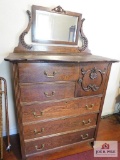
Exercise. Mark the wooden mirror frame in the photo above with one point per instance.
(24, 47)
(60, 11)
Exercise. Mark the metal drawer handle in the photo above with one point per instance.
(89, 107)
(84, 137)
(50, 75)
(49, 95)
(39, 132)
(86, 123)
(39, 149)
(37, 116)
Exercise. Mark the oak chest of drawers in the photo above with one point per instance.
(59, 90)
(58, 104)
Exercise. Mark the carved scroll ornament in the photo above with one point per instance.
(21, 38)
(93, 74)
(83, 37)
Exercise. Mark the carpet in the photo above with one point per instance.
(89, 155)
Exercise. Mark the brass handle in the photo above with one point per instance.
(39, 149)
(84, 137)
(37, 116)
(50, 75)
(49, 95)
(86, 123)
(39, 132)
(89, 107)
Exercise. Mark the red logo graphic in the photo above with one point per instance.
(105, 146)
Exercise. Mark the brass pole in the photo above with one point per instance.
(6, 111)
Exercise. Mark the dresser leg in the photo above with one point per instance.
(92, 144)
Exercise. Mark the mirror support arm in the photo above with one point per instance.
(22, 42)
(83, 37)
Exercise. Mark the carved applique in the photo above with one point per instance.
(93, 74)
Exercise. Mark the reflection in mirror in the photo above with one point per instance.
(55, 26)
(50, 27)
(72, 33)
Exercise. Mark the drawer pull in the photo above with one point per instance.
(84, 137)
(49, 95)
(39, 149)
(50, 75)
(86, 123)
(89, 107)
(37, 116)
(39, 132)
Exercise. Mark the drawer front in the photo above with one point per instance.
(40, 145)
(48, 110)
(92, 79)
(47, 72)
(57, 126)
(47, 91)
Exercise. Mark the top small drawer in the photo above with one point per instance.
(47, 72)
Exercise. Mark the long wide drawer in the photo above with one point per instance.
(48, 110)
(40, 145)
(47, 72)
(46, 91)
(40, 129)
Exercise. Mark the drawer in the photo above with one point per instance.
(68, 107)
(43, 144)
(92, 79)
(47, 72)
(57, 126)
(46, 91)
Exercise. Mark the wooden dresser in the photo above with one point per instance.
(59, 97)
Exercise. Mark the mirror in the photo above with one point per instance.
(55, 26)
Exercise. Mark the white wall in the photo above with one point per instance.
(102, 27)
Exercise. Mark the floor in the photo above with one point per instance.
(109, 129)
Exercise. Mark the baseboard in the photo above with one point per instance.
(11, 131)
(108, 115)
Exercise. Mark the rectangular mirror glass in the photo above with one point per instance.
(55, 27)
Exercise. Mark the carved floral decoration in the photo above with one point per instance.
(93, 74)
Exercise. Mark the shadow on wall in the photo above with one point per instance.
(117, 100)
(117, 106)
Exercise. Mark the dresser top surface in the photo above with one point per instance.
(21, 57)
